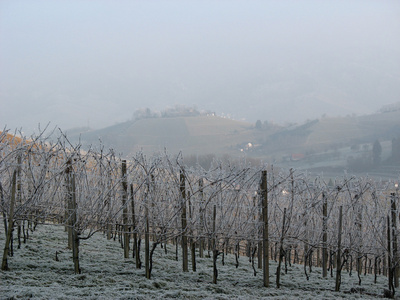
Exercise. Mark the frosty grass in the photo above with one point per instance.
(35, 274)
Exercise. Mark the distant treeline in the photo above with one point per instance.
(390, 107)
(176, 111)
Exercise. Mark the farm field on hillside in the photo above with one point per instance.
(35, 274)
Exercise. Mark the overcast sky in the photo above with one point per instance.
(80, 63)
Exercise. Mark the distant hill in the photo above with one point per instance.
(314, 140)
(191, 135)
(322, 134)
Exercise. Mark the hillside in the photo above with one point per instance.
(333, 145)
(191, 135)
(319, 143)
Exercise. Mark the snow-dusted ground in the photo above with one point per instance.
(35, 274)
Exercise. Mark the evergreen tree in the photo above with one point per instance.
(376, 153)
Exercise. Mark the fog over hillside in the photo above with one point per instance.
(94, 63)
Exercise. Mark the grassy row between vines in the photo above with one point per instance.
(36, 274)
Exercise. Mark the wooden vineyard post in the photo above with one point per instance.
(338, 254)
(4, 265)
(185, 264)
(19, 195)
(193, 252)
(395, 261)
(359, 234)
(192, 242)
(214, 247)
(75, 233)
(278, 271)
(147, 243)
(109, 198)
(147, 234)
(390, 269)
(324, 236)
(260, 243)
(265, 244)
(151, 189)
(214, 243)
(135, 239)
(68, 213)
(201, 243)
(384, 259)
(125, 210)
(2, 204)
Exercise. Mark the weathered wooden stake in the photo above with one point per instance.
(324, 236)
(125, 210)
(135, 238)
(192, 242)
(338, 254)
(395, 262)
(4, 265)
(201, 243)
(214, 247)
(69, 206)
(193, 251)
(278, 270)
(147, 242)
(359, 234)
(265, 244)
(185, 265)
(390, 262)
(214, 242)
(75, 233)
(109, 198)
(19, 196)
(4, 212)
(260, 243)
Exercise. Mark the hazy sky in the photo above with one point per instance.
(79, 63)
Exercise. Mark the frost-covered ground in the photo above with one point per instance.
(35, 274)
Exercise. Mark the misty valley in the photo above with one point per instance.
(272, 211)
(200, 149)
